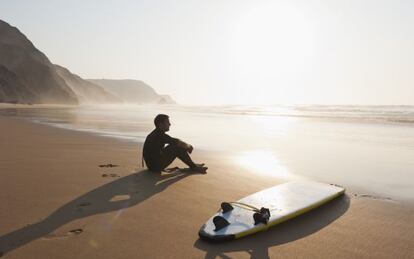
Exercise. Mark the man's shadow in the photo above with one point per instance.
(117, 195)
(258, 244)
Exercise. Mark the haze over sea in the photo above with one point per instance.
(368, 149)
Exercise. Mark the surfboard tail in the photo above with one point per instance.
(214, 238)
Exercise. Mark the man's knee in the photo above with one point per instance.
(176, 149)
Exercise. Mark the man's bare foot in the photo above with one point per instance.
(200, 169)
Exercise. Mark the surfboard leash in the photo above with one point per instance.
(261, 215)
(243, 206)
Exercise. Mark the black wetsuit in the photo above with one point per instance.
(158, 156)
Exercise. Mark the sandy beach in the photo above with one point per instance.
(59, 203)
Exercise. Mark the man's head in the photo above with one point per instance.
(162, 122)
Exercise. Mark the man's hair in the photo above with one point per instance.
(160, 118)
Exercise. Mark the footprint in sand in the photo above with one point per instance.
(70, 233)
(369, 196)
(374, 197)
(77, 231)
(108, 165)
(110, 175)
(84, 204)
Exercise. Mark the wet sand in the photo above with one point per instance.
(58, 202)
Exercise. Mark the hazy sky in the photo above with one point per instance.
(233, 51)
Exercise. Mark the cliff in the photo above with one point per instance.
(133, 91)
(87, 92)
(26, 74)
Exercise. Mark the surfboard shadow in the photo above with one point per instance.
(135, 187)
(257, 245)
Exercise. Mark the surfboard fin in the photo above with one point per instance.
(262, 216)
(226, 207)
(220, 222)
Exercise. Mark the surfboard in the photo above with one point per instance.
(271, 206)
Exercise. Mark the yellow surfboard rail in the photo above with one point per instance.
(264, 227)
(285, 201)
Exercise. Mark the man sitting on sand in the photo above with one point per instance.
(157, 156)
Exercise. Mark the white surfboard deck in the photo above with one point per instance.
(285, 201)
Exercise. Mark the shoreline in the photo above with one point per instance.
(60, 204)
(356, 190)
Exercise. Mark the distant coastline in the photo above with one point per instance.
(27, 76)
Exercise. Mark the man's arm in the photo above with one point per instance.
(170, 140)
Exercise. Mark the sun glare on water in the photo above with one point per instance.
(262, 161)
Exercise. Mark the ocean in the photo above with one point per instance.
(369, 149)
